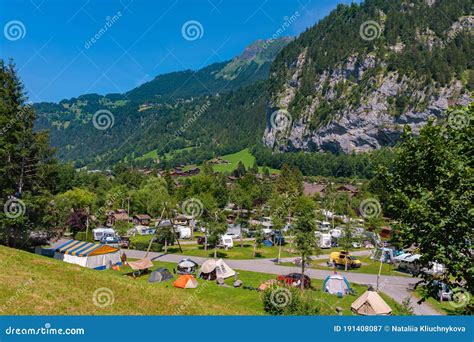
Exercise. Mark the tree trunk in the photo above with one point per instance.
(303, 261)
(254, 249)
(166, 245)
(279, 251)
(215, 252)
(345, 269)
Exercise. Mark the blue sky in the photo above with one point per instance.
(51, 40)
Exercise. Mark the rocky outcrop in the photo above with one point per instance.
(359, 105)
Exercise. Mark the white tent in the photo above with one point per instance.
(336, 284)
(212, 269)
(370, 304)
(86, 254)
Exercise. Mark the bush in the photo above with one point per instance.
(143, 246)
(287, 300)
(82, 236)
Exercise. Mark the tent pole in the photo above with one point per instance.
(151, 240)
(172, 229)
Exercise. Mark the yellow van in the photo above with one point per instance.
(340, 259)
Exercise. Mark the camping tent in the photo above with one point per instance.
(159, 275)
(369, 304)
(86, 254)
(186, 266)
(186, 281)
(336, 284)
(212, 269)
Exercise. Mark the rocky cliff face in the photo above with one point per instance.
(360, 103)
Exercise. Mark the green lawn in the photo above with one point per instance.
(36, 285)
(245, 156)
(236, 252)
(443, 307)
(369, 266)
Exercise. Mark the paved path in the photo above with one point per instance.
(394, 286)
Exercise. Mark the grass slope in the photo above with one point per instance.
(32, 285)
(245, 156)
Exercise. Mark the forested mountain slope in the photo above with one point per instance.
(219, 105)
(351, 82)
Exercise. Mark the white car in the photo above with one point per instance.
(232, 235)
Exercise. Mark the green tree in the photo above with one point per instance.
(305, 228)
(429, 191)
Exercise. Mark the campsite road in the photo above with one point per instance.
(393, 286)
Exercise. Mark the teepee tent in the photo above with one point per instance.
(336, 284)
(212, 269)
(370, 304)
(186, 281)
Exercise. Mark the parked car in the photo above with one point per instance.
(124, 242)
(342, 258)
(295, 279)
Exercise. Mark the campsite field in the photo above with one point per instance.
(369, 266)
(31, 284)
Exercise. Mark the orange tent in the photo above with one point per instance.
(186, 281)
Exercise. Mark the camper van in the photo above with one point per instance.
(100, 233)
(324, 226)
(324, 240)
(227, 241)
(183, 232)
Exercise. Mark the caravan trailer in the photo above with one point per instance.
(100, 233)
(324, 240)
(324, 226)
(183, 232)
(227, 241)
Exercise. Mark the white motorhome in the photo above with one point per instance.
(100, 233)
(183, 231)
(227, 241)
(324, 240)
(324, 226)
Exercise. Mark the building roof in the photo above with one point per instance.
(347, 187)
(143, 217)
(309, 189)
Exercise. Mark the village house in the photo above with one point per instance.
(117, 215)
(311, 189)
(142, 219)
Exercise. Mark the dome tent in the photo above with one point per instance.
(186, 281)
(336, 284)
(186, 266)
(159, 275)
(213, 269)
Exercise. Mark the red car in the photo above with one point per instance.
(295, 279)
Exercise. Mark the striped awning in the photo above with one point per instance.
(83, 248)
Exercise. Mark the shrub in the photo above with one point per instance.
(287, 300)
(143, 246)
(82, 236)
